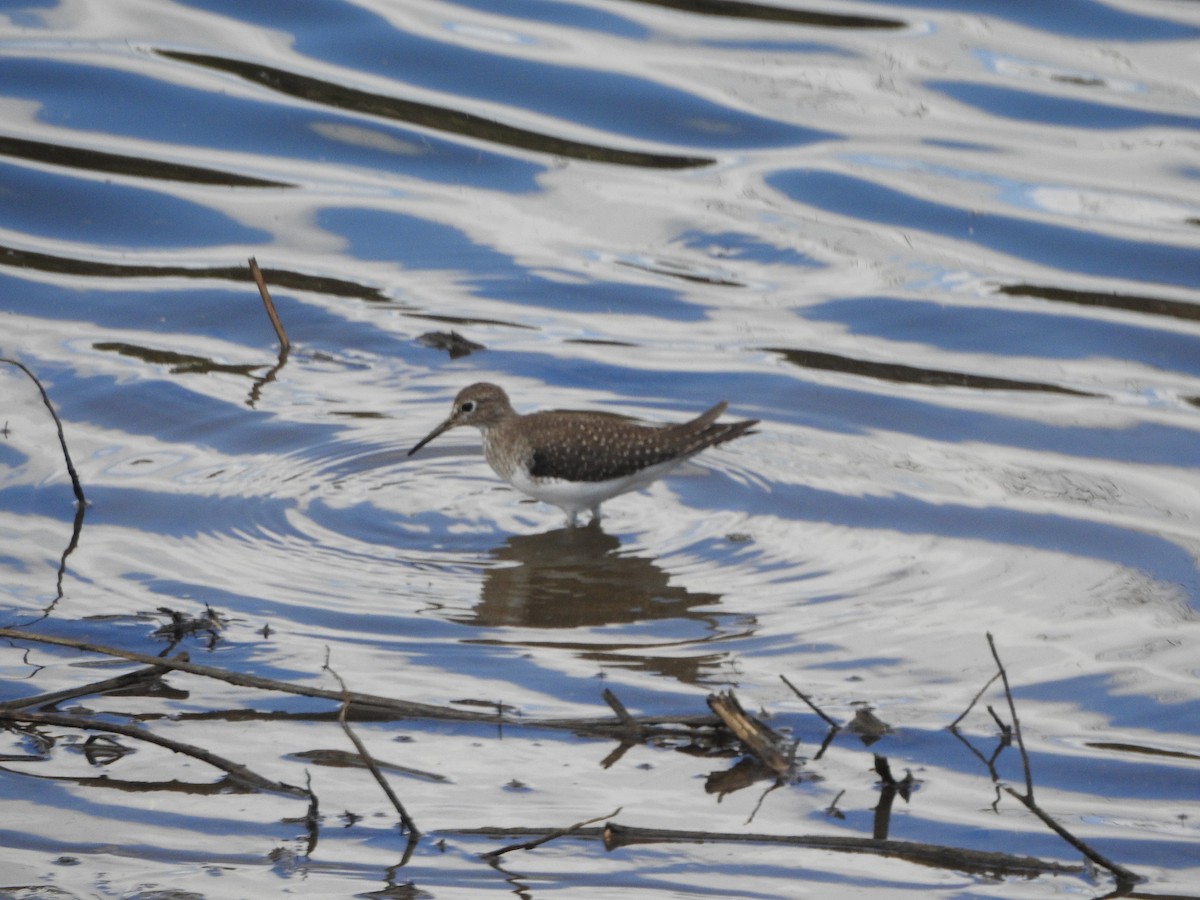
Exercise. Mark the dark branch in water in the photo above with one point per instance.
(76, 487)
(670, 726)
(120, 682)
(974, 700)
(759, 739)
(62, 440)
(235, 770)
(1125, 878)
(1016, 723)
(958, 859)
(549, 836)
(284, 343)
(832, 723)
(1123, 875)
(406, 822)
(755, 738)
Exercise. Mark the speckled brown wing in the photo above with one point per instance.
(588, 447)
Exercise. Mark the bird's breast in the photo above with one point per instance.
(505, 452)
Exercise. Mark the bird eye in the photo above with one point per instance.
(467, 407)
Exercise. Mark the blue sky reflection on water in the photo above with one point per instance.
(1076, 19)
(1006, 332)
(1069, 249)
(51, 205)
(1060, 112)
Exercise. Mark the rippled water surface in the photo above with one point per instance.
(948, 254)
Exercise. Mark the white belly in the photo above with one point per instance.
(575, 496)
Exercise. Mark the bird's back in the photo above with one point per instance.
(589, 447)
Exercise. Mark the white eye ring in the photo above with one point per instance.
(468, 407)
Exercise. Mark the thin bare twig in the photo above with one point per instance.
(312, 817)
(670, 726)
(1006, 730)
(406, 822)
(762, 798)
(284, 343)
(618, 707)
(974, 700)
(960, 859)
(956, 858)
(120, 682)
(76, 486)
(398, 707)
(76, 531)
(557, 833)
(1016, 724)
(235, 770)
(1123, 874)
(803, 696)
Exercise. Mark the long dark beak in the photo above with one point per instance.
(445, 426)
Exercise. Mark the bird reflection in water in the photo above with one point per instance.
(574, 577)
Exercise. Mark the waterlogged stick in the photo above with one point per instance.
(235, 770)
(284, 343)
(557, 833)
(1124, 876)
(406, 822)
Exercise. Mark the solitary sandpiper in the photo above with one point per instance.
(577, 460)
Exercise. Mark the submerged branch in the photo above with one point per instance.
(549, 836)
(406, 822)
(120, 682)
(1016, 723)
(763, 742)
(759, 739)
(236, 771)
(942, 857)
(659, 726)
(970, 706)
(829, 720)
(958, 859)
(1124, 876)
